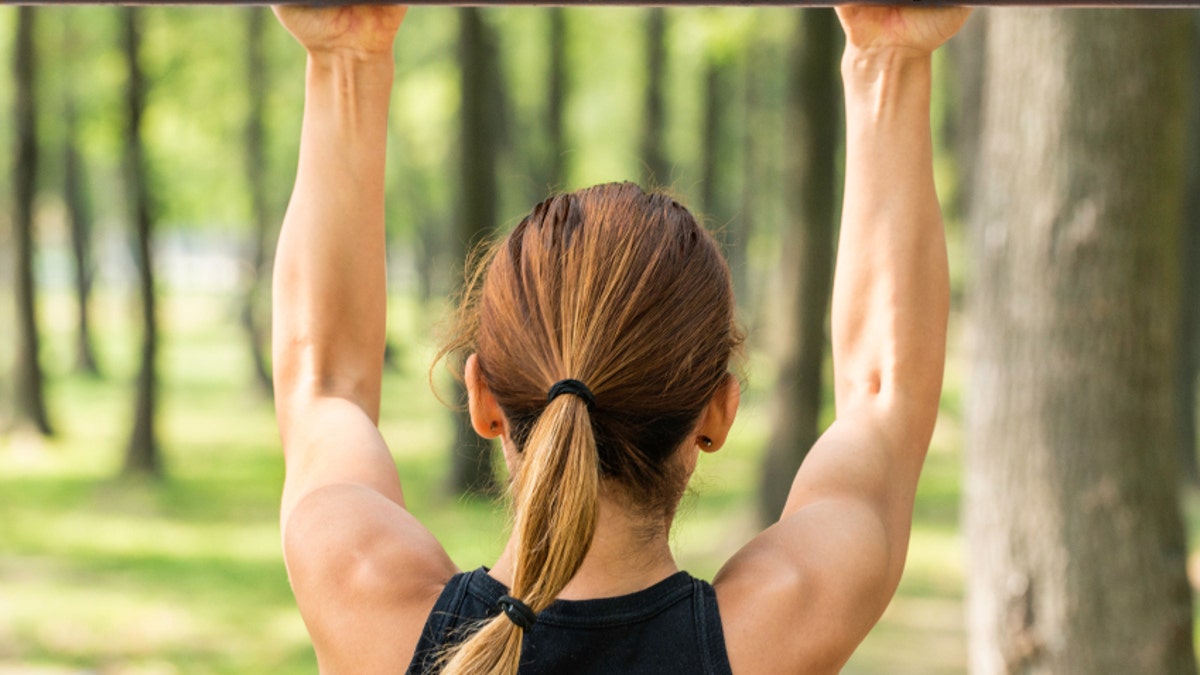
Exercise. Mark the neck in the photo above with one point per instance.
(628, 553)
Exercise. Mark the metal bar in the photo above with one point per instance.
(630, 3)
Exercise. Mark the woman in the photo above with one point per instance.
(597, 341)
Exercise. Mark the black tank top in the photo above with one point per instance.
(671, 628)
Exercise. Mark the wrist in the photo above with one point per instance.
(351, 60)
(875, 61)
(351, 75)
(885, 71)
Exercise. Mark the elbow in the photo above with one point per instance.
(907, 404)
(303, 373)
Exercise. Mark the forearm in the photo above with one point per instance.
(330, 268)
(891, 289)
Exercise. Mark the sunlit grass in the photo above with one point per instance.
(101, 574)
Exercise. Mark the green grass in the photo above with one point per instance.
(126, 576)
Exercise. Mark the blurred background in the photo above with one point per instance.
(147, 159)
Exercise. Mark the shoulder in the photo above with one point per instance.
(365, 575)
(786, 609)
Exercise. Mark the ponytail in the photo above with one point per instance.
(556, 491)
(626, 291)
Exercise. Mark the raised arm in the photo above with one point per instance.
(840, 545)
(329, 286)
(365, 573)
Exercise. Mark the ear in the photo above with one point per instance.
(486, 416)
(718, 416)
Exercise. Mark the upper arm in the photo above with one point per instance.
(364, 571)
(805, 592)
(329, 440)
(365, 575)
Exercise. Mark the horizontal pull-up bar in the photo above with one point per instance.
(636, 3)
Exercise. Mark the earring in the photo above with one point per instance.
(706, 442)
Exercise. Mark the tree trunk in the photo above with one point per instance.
(1189, 324)
(806, 265)
(1076, 540)
(28, 376)
(472, 470)
(718, 166)
(556, 98)
(79, 215)
(252, 319)
(657, 172)
(756, 203)
(143, 454)
(78, 201)
(966, 62)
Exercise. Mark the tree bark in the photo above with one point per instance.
(657, 171)
(1189, 319)
(806, 264)
(1077, 547)
(471, 468)
(28, 376)
(143, 455)
(252, 319)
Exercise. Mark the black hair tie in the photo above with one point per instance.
(572, 387)
(517, 612)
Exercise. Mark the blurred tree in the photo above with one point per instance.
(556, 98)
(143, 455)
(1075, 534)
(471, 468)
(657, 171)
(719, 157)
(253, 320)
(78, 200)
(29, 397)
(757, 203)
(966, 56)
(806, 254)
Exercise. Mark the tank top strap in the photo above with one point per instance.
(708, 628)
(440, 621)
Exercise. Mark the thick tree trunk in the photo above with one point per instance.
(143, 454)
(28, 376)
(656, 169)
(806, 264)
(472, 470)
(556, 98)
(1189, 248)
(1077, 546)
(252, 319)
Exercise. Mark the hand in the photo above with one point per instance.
(876, 27)
(356, 29)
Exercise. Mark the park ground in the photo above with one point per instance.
(125, 576)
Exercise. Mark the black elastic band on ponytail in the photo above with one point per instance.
(572, 387)
(517, 612)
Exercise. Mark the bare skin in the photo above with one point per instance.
(797, 598)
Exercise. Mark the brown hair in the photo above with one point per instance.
(624, 291)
